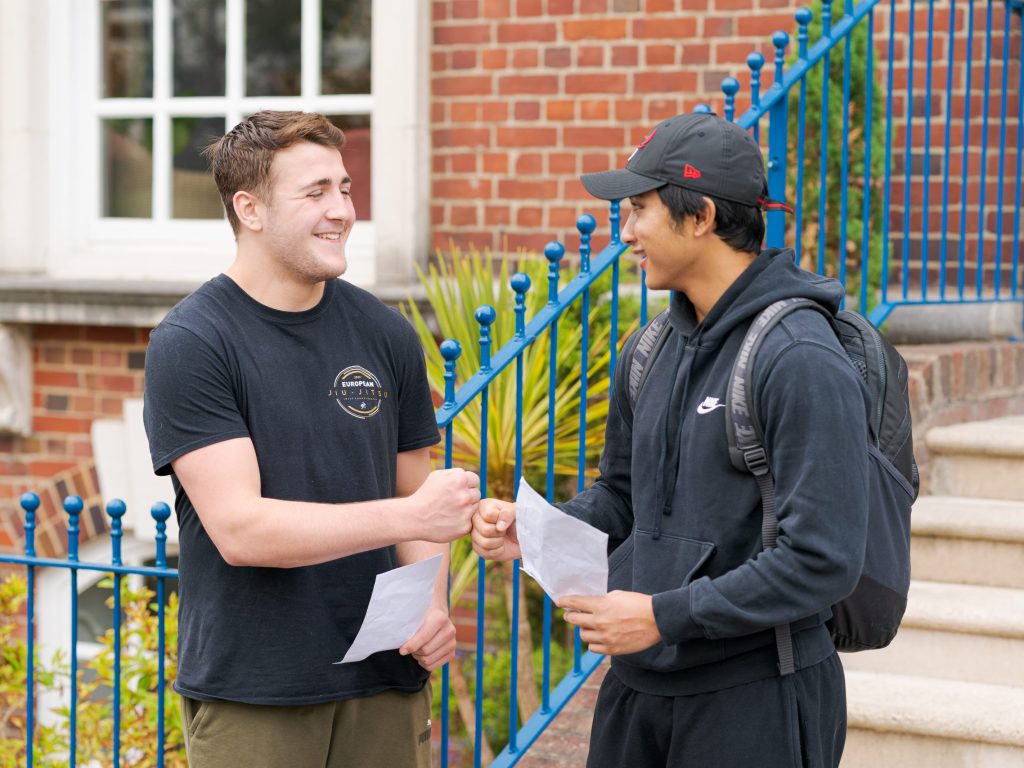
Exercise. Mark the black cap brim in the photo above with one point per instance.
(618, 184)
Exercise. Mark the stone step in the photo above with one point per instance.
(982, 459)
(968, 541)
(957, 632)
(899, 721)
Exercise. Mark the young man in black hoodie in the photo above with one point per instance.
(693, 598)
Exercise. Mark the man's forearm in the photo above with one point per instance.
(275, 533)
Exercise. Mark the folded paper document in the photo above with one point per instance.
(565, 555)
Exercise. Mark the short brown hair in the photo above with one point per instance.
(242, 158)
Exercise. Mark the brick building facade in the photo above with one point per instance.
(524, 96)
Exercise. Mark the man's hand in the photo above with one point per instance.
(443, 506)
(494, 531)
(433, 645)
(617, 623)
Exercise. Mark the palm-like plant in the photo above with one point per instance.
(456, 288)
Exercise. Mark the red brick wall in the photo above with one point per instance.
(528, 94)
(78, 374)
(959, 103)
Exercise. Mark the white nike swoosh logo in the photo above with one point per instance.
(709, 405)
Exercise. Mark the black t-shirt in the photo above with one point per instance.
(329, 397)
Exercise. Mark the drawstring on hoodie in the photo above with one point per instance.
(671, 442)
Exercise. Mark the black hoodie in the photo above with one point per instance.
(689, 523)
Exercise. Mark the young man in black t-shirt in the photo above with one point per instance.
(293, 414)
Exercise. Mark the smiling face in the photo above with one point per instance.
(309, 215)
(666, 248)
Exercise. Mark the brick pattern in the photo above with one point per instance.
(979, 232)
(528, 94)
(565, 743)
(951, 384)
(80, 374)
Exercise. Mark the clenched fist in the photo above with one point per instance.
(494, 531)
(442, 508)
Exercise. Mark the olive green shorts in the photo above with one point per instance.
(389, 729)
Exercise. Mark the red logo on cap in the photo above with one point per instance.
(647, 139)
(689, 172)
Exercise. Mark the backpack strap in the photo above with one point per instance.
(746, 438)
(647, 347)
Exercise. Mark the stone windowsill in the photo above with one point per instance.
(41, 299)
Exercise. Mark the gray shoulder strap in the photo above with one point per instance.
(647, 347)
(746, 439)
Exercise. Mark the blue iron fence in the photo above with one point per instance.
(115, 510)
(982, 254)
(861, 194)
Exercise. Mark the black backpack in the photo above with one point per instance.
(869, 617)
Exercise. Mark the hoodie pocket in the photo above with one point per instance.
(660, 564)
(620, 566)
(664, 562)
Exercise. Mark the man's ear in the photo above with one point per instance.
(249, 210)
(704, 220)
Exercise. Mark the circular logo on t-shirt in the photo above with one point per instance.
(358, 392)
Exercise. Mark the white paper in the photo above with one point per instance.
(565, 555)
(398, 605)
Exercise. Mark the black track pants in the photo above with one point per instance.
(797, 721)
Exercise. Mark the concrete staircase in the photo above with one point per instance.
(949, 691)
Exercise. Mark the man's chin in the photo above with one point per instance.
(335, 268)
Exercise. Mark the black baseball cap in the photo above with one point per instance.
(700, 152)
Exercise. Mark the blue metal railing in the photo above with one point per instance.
(115, 510)
(545, 321)
(919, 277)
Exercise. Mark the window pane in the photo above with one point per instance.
(127, 29)
(128, 168)
(345, 51)
(273, 38)
(193, 193)
(199, 47)
(356, 154)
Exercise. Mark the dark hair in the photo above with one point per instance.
(242, 158)
(741, 227)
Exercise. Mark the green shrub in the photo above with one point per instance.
(139, 668)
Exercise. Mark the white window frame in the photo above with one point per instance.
(84, 244)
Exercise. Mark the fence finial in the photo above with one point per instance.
(73, 505)
(485, 315)
(803, 16)
(780, 40)
(160, 512)
(755, 61)
(614, 217)
(450, 351)
(520, 284)
(115, 510)
(703, 109)
(30, 503)
(553, 252)
(586, 224)
(826, 18)
(730, 85)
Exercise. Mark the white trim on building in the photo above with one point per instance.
(51, 154)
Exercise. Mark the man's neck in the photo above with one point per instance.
(720, 268)
(272, 286)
